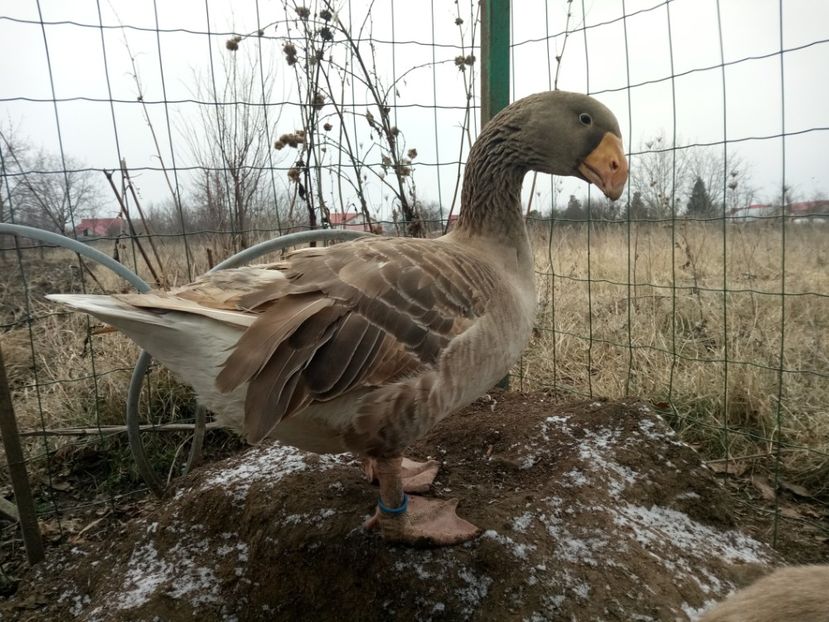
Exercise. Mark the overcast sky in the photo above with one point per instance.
(681, 37)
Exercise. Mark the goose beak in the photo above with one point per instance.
(606, 166)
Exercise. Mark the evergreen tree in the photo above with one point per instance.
(636, 209)
(574, 210)
(700, 204)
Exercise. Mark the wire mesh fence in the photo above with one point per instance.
(172, 136)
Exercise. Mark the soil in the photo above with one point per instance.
(590, 510)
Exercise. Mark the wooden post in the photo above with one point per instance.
(495, 57)
(17, 470)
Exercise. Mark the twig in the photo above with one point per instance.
(147, 230)
(560, 55)
(384, 127)
(119, 429)
(133, 233)
(765, 454)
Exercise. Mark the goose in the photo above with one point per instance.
(792, 593)
(364, 346)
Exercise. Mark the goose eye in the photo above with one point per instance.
(585, 119)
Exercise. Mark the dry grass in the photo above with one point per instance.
(674, 337)
(665, 337)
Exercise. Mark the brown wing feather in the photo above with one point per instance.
(264, 337)
(352, 316)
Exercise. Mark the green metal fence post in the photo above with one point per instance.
(495, 33)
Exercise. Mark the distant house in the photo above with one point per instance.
(353, 221)
(100, 227)
(802, 211)
(809, 208)
(751, 212)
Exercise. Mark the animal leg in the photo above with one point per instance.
(417, 476)
(415, 520)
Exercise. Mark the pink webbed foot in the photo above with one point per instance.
(425, 522)
(411, 519)
(416, 476)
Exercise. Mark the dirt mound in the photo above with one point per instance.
(590, 510)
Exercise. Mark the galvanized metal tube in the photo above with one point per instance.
(79, 247)
(143, 363)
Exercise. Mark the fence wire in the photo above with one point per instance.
(173, 136)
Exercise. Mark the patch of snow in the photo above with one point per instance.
(665, 526)
(516, 548)
(79, 601)
(241, 549)
(309, 518)
(424, 564)
(690, 494)
(593, 449)
(581, 550)
(271, 464)
(558, 423)
(576, 478)
(182, 491)
(146, 572)
(656, 429)
(695, 613)
(177, 573)
(528, 462)
(197, 582)
(581, 589)
(477, 587)
(521, 523)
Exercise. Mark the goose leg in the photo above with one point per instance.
(416, 476)
(415, 520)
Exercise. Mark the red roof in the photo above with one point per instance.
(352, 221)
(99, 226)
(809, 207)
(341, 218)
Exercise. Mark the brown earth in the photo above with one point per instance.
(590, 510)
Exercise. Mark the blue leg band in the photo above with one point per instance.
(387, 510)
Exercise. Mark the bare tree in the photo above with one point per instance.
(727, 181)
(660, 175)
(42, 189)
(53, 198)
(12, 150)
(229, 139)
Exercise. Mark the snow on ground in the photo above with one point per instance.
(572, 543)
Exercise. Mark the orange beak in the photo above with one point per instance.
(607, 167)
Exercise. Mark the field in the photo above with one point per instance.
(672, 315)
(697, 327)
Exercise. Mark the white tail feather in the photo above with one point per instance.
(109, 309)
(192, 345)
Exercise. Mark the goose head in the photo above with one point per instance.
(566, 134)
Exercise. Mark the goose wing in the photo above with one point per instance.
(350, 317)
